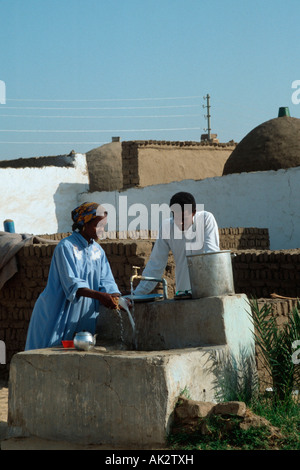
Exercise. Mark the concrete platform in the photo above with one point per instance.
(116, 397)
(113, 398)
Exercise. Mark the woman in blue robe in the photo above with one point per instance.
(80, 278)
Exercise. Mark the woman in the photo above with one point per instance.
(79, 278)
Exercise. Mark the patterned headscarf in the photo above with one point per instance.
(84, 213)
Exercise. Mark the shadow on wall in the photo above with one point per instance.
(65, 200)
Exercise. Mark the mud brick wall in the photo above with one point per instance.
(104, 165)
(146, 163)
(241, 238)
(232, 238)
(130, 167)
(18, 296)
(262, 273)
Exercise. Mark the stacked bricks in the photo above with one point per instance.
(262, 273)
(240, 238)
(18, 296)
(232, 238)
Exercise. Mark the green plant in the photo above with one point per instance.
(224, 432)
(235, 376)
(276, 347)
(286, 418)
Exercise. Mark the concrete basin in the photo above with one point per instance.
(173, 324)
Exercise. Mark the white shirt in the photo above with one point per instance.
(201, 237)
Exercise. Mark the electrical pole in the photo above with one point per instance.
(207, 106)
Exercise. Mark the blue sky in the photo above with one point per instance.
(79, 72)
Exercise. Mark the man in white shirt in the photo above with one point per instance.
(187, 232)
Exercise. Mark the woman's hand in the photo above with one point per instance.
(124, 303)
(109, 300)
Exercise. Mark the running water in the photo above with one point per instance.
(121, 325)
(124, 305)
(132, 297)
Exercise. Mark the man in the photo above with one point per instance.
(186, 232)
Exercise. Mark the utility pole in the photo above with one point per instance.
(207, 97)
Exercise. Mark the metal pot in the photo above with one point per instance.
(84, 341)
(211, 274)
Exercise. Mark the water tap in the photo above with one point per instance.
(148, 278)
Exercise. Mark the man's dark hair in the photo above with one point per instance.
(183, 199)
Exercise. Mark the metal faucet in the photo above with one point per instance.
(147, 278)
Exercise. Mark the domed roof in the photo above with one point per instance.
(105, 167)
(272, 145)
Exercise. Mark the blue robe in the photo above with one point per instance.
(58, 313)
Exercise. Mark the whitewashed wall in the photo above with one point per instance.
(40, 200)
(267, 199)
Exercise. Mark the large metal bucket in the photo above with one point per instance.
(211, 274)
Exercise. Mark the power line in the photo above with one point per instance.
(138, 106)
(105, 99)
(101, 117)
(106, 108)
(100, 130)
